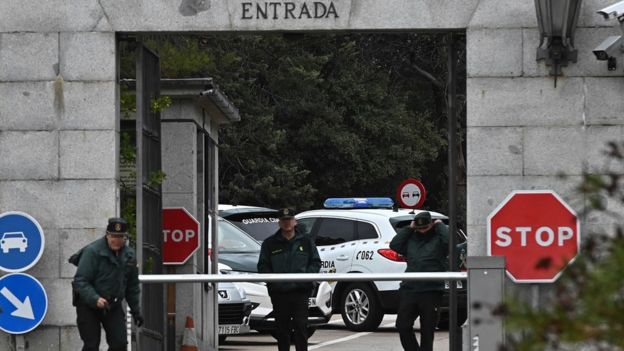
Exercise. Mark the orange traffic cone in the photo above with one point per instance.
(189, 340)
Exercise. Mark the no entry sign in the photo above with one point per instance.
(180, 236)
(411, 193)
(537, 232)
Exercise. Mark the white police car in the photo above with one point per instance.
(353, 235)
(234, 309)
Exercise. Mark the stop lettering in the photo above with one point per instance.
(180, 236)
(542, 236)
(537, 232)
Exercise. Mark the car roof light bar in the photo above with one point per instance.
(358, 202)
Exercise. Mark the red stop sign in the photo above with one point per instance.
(180, 235)
(537, 232)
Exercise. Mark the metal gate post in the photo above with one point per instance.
(486, 288)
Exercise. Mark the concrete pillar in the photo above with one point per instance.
(181, 156)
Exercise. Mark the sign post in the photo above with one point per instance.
(411, 193)
(180, 236)
(537, 232)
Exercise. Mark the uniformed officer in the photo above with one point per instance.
(425, 245)
(289, 251)
(107, 273)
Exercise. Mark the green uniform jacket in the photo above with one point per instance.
(298, 255)
(425, 252)
(101, 273)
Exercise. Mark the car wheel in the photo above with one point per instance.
(310, 331)
(360, 309)
(443, 319)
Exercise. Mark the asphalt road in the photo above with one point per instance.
(335, 336)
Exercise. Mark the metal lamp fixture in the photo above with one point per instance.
(557, 21)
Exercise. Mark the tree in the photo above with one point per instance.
(348, 111)
(324, 114)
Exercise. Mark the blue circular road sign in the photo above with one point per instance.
(23, 303)
(21, 241)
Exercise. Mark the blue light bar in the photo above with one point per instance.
(358, 202)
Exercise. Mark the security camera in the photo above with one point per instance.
(617, 10)
(612, 46)
(609, 47)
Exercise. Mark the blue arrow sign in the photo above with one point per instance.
(23, 303)
(21, 241)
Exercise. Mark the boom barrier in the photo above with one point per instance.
(486, 287)
(299, 277)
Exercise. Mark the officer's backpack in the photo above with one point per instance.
(75, 259)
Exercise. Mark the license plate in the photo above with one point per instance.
(312, 302)
(228, 329)
(459, 284)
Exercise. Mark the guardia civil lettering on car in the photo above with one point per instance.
(259, 222)
(353, 235)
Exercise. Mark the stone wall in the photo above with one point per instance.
(58, 153)
(523, 132)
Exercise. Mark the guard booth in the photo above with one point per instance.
(178, 142)
(190, 141)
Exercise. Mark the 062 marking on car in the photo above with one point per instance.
(364, 255)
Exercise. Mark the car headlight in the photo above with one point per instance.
(241, 291)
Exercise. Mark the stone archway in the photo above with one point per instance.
(58, 115)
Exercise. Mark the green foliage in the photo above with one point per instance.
(159, 104)
(127, 102)
(323, 114)
(148, 266)
(156, 178)
(128, 212)
(329, 115)
(127, 149)
(586, 309)
(180, 56)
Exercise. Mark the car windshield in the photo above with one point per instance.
(12, 235)
(259, 227)
(399, 222)
(232, 239)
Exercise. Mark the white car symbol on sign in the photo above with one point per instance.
(13, 240)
